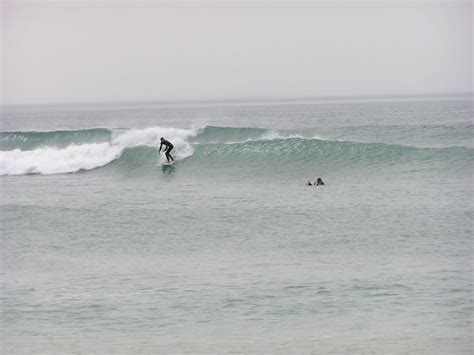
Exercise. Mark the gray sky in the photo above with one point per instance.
(78, 51)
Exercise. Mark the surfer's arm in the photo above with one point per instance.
(159, 150)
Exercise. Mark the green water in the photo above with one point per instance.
(106, 250)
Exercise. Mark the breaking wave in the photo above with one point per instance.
(73, 151)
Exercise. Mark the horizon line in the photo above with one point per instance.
(247, 99)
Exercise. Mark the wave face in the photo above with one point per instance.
(58, 139)
(73, 151)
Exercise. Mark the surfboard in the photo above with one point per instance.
(163, 161)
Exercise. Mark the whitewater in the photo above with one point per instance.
(107, 250)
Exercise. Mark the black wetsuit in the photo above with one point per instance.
(168, 147)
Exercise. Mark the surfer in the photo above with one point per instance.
(168, 148)
(319, 182)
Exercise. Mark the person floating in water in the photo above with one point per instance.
(168, 148)
(319, 182)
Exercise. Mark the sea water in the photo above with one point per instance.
(106, 250)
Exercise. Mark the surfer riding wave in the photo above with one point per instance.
(167, 150)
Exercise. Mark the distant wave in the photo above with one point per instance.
(73, 151)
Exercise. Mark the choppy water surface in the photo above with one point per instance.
(104, 249)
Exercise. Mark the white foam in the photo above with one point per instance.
(53, 161)
(49, 160)
(151, 136)
(272, 135)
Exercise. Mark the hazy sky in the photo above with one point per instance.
(73, 51)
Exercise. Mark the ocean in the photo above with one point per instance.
(106, 250)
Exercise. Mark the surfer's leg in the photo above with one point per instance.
(168, 155)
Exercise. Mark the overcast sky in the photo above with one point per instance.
(79, 51)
